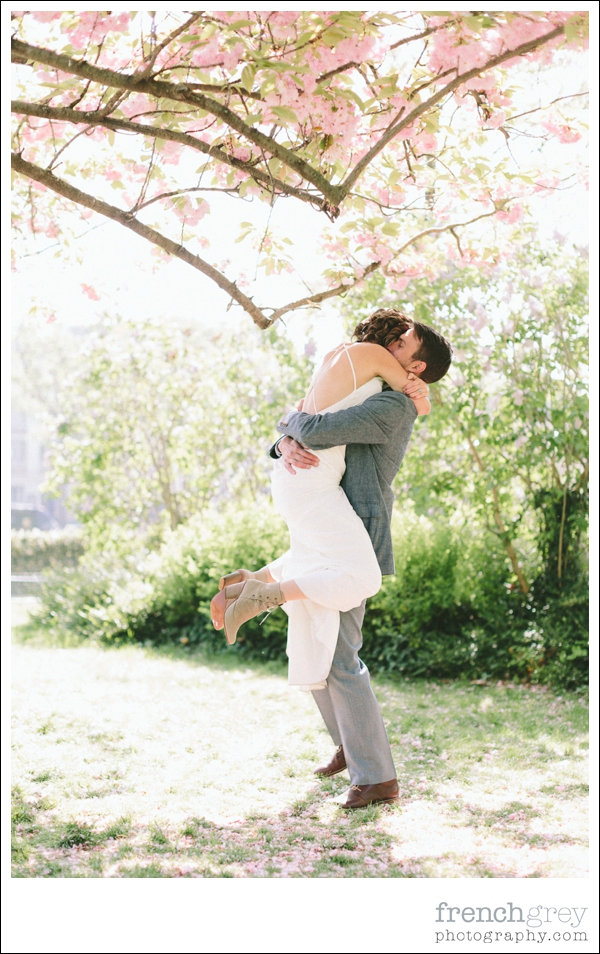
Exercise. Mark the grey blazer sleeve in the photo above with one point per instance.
(373, 422)
(274, 451)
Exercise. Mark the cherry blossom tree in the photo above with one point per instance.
(397, 129)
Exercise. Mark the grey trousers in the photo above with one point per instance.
(351, 711)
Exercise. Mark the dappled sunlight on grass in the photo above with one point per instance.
(136, 763)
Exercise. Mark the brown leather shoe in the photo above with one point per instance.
(359, 796)
(337, 764)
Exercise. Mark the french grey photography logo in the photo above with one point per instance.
(512, 923)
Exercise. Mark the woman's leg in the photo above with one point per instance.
(218, 603)
(291, 591)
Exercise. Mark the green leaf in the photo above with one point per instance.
(390, 229)
(576, 26)
(248, 74)
(334, 35)
(285, 113)
(432, 122)
(474, 23)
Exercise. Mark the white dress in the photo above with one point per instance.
(331, 557)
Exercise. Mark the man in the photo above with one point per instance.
(376, 435)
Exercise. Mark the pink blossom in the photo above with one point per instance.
(517, 397)
(563, 132)
(95, 26)
(232, 57)
(425, 142)
(511, 215)
(97, 134)
(139, 103)
(520, 441)
(90, 292)
(482, 318)
(493, 404)
(170, 152)
(522, 29)
(497, 118)
(46, 17)
(208, 54)
(408, 131)
(546, 183)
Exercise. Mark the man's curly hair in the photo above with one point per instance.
(383, 327)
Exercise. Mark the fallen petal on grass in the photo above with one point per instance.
(174, 765)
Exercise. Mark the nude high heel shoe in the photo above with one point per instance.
(246, 600)
(240, 576)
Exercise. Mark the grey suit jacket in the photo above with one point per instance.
(376, 435)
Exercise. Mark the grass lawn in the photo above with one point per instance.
(134, 763)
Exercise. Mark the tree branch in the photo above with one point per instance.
(63, 188)
(340, 289)
(445, 228)
(538, 109)
(178, 192)
(93, 118)
(322, 296)
(168, 39)
(410, 118)
(417, 36)
(181, 92)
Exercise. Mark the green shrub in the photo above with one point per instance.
(165, 596)
(451, 610)
(35, 550)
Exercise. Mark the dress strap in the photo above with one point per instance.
(345, 347)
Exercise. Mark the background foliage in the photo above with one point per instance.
(450, 610)
(161, 435)
(36, 550)
(152, 423)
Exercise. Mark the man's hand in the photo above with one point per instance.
(296, 455)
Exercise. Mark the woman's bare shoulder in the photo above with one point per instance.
(368, 351)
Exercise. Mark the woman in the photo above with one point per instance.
(331, 566)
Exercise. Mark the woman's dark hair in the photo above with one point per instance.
(383, 327)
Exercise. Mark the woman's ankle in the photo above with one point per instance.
(263, 575)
